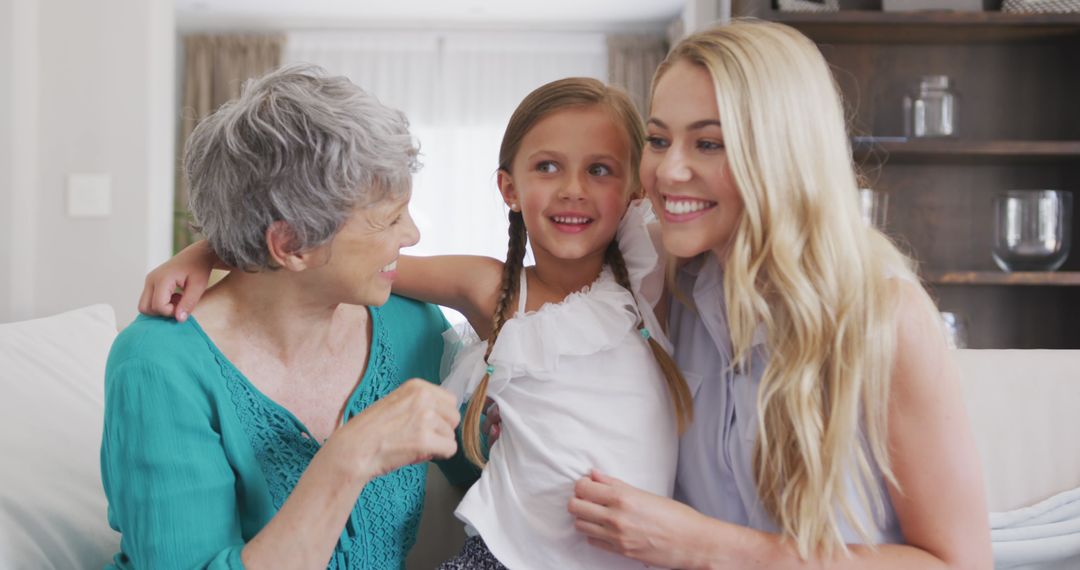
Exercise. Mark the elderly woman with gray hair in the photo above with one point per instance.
(277, 427)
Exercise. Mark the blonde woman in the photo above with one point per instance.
(829, 429)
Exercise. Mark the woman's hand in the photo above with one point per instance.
(412, 424)
(188, 270)
(625, 520)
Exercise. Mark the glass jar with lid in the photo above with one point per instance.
(931, 111)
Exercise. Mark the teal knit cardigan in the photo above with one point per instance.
(195, 460)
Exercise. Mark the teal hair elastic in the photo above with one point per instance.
(490, 370)
(644, 333)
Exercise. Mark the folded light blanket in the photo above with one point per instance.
(1044, 536)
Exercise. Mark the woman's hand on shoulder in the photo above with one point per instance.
(628, 521)
(188, 270)
(412, 424)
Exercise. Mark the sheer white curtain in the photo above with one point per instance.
(458, 90)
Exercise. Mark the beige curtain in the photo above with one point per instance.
(215, 67)
(632, 60)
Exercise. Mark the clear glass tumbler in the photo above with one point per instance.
(1032, 229)
(932, 111)
(955, 329)
(874, 207)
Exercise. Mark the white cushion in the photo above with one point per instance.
(1024, 406)
(1025, 410)
(52, 506)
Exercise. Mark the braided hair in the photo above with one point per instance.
(676, 384)
(511, 279)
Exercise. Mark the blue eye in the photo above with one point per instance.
(600, 170)
(710, 145)
(547, 167)
(657, 143)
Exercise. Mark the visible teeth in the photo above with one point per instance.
(390, 266)
(570, 220)
(686, 206)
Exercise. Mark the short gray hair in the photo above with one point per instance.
(297, 146)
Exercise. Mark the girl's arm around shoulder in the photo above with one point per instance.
(467, 283)
(188, 270)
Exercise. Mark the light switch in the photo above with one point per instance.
(89, 195)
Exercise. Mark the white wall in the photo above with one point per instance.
(7, 48)
(102, 84)
(700, 14)
(18, 35)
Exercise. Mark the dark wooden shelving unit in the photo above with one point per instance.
(1065, 278)
(1019, 128)
(857, 26)
(948, 151)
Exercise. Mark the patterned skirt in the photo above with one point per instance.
(473, 556)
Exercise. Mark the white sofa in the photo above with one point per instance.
(1025, 407)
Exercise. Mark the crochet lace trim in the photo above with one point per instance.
(382, 526)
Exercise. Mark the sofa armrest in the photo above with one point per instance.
(1024, 407)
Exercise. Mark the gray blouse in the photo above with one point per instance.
(715, 472)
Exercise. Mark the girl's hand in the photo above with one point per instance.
(412, 424)
(625, 520)
(492, 422)
(188, 270)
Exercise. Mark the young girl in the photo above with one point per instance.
(828, 413)
(574, 356)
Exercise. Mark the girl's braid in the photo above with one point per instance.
(511, 279)
(676, 384)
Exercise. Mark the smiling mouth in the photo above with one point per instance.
(389, 267)
(571, 220)
(679, 206)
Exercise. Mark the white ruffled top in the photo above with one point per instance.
(578, 389)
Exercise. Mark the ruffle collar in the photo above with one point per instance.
(589, 321)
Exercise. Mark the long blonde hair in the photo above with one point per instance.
(546, 99)
(802, 263)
